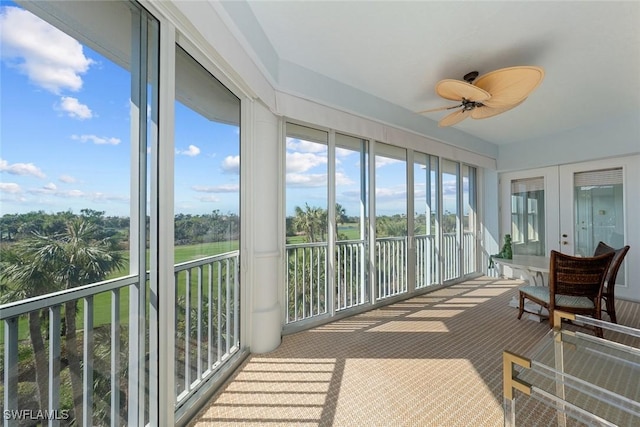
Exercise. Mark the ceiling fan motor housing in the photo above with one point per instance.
(469, 77)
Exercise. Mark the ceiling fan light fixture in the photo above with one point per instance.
(488, 95)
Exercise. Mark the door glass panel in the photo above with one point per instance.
(425, 202)
(351, 210)
(306, 223)
(450, 219)
(391, 220)
(598, 210)
(527, 216)
(78, 105)
(206, 223)
(469, 218)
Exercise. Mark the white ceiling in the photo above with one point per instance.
(397, 51)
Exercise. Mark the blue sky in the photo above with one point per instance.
(306, 181)
(65, 136)
(65, 139)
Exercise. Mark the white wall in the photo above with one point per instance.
(490, 237)
(617, 137)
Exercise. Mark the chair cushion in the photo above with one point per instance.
(542, 293)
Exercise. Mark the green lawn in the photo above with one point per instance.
(348, 231)
(102, 301)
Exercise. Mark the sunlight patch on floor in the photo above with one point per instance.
(426, 300)
(488, 292)
(454, 305)
(411, 326)
(436, 313)
(344, 326)
(465, 300)
(427, 381)
(410, 305)
(447, 292)
(384, 313)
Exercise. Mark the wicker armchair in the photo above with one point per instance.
(575, 286)
(612, 273)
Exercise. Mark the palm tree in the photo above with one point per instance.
(64, 260)
(305, 221)
(341, 214)
(28, 277)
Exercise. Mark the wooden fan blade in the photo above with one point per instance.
(509, 86)
(485, 111)
(455, 90)
(440, 109)
(453, 118)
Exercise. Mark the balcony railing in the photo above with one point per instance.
(306, 285)
(351, 289)
(207, 319)
(207, 334)
(307, 289)
(426, 261)
(391, 266)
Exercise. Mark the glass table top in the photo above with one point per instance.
(600, 376)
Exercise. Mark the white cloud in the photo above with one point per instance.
(10, 187)
(50, 58)
(342, 179)
(21, 169)
(343, 152)
(96, 139)
(305, 146)
(231, 164)
(306, 180)
(398, 193)
(384, 161)
(74, 108)
(225, 188)
(302, 162)
(209, 198)
(192, 151)
(95, 196)
(67, 179)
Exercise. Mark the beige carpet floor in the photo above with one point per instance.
(432, 360)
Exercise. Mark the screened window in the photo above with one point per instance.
(527, 216)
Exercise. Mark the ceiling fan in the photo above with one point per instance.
(487, 95)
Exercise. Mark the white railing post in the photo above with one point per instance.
(115, 357)
(10, 368)
(87, 367)
(54, 362)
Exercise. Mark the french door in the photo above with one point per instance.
(591, 207)
(570, 208)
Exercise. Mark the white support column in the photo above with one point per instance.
(263, 213)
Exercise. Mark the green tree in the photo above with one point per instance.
(312, 221)
(46, 263)
(24, 275)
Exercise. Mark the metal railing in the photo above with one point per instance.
(207, 319)
(99, 348)
(306, 285)
(451, 256)
(391, 266)
(351, 284)
(469, 252)
(306, 282)
(426, 261)
(207, 334)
